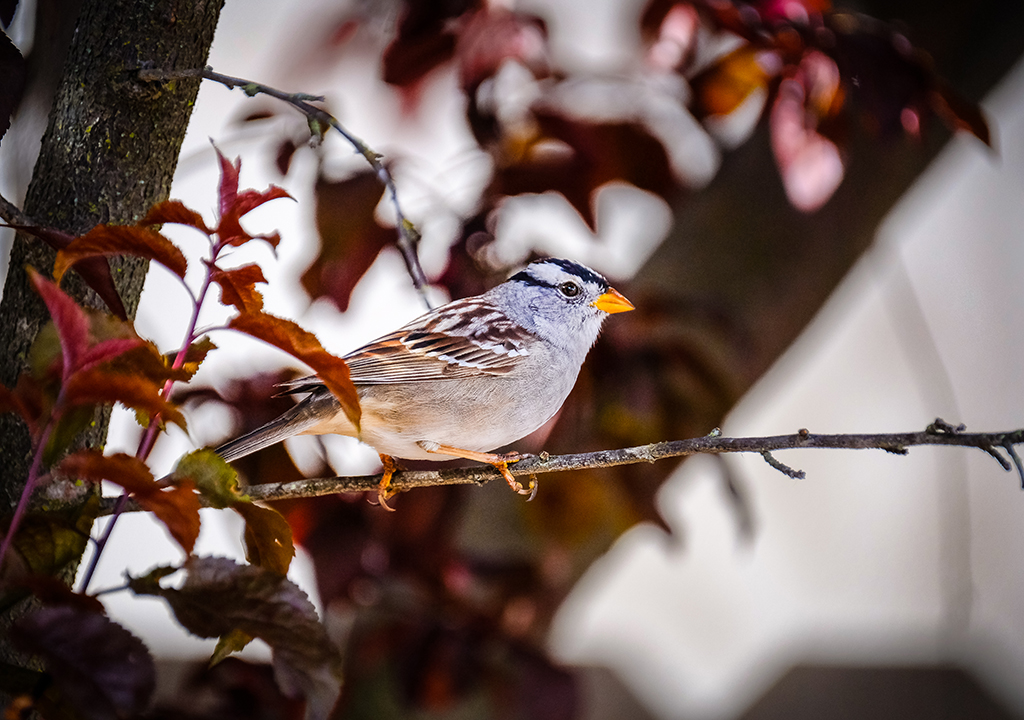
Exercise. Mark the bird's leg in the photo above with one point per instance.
(384, 490)
(499, 461)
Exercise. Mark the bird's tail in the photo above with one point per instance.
(302, 417)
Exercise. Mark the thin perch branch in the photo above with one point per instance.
(408, 235)
(709, 444)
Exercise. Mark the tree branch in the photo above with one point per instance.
(408, 235)
(11, 214)
(938, 433)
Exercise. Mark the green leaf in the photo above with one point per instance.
(234, 641)
(46, 542)
(268, 537)
(212, 476)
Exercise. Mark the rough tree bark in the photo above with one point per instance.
(109, 152)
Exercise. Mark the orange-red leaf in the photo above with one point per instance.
(176, 507)
(238, 286)
(95, 271)
(175, 211)
(125, 470)
(105, 240)
(69, 318)
(303, 345)
(98, 386)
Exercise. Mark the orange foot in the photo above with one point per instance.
(384, 491)
(498, 461)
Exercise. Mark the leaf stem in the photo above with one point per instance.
(26, 493)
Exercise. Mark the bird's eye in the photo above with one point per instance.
(569, 289)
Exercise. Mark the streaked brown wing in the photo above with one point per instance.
(476, 340)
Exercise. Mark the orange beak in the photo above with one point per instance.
(613, 302)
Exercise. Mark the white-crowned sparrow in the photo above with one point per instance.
(471, 376)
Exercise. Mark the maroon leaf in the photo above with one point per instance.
(220, 596)
(350, 238)
(12, 80)
(285, 153)
(95, 271)
(175, 211)
(599, 153)
(424, 41)
(104, 240)
(103, 670)
(69, 318)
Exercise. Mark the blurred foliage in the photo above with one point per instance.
(818, 118)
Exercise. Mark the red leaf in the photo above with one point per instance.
(176, 507)
(228, 181)
(95, 271)
(69, 318)
(98, 386)
(238, 286)
(350, 238)
(99, 667)
(249, 200)
(303, 345)
(175, 211)
(108, 350)
(105, 240)
(234, 205)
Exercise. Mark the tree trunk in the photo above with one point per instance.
(109, 152)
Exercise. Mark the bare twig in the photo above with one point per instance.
(12, 214)
(890, 442)
(319, 119)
